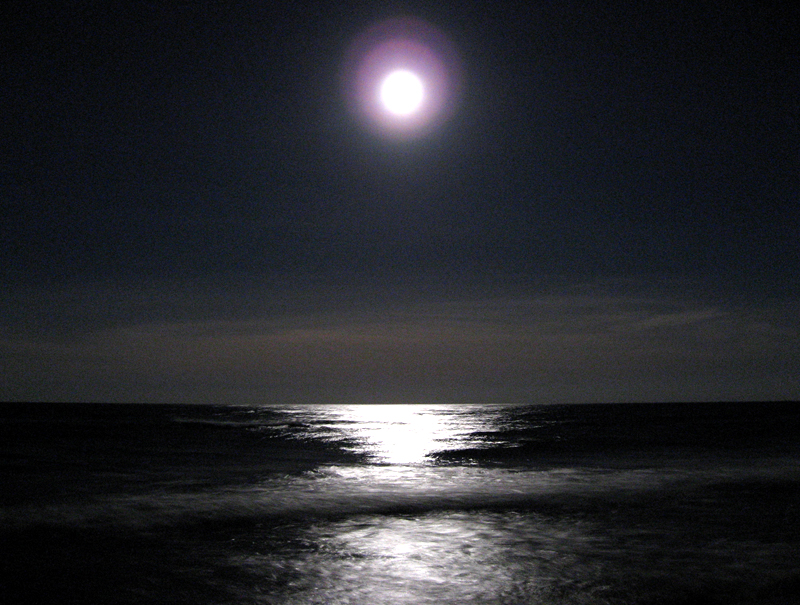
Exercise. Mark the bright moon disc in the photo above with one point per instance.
(402, 92)
(403, 76)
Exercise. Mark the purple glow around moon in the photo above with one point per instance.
(408, 45)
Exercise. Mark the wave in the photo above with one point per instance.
(335, 491)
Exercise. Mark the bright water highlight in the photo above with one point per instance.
(402, 504)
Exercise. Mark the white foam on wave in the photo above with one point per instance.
(346, 490)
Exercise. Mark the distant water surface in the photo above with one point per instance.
(510, 504)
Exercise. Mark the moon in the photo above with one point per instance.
(402, 92)
(403, 77)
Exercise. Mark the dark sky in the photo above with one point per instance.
(192, 211)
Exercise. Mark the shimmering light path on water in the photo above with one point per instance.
(350, 504)
(403, 434)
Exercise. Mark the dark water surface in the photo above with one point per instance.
(655, 504)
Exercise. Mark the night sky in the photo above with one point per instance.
(196, 204)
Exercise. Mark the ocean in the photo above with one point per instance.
(401, 504)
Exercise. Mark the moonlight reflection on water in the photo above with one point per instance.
(391, 504)
(401, 434)
(404, 434)
(434, 558)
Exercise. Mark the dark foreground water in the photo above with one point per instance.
(655, 504)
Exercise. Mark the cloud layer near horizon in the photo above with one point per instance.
(569, 345)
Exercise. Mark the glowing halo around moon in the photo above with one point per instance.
(402, 77)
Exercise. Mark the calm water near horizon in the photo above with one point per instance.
(401, 504)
